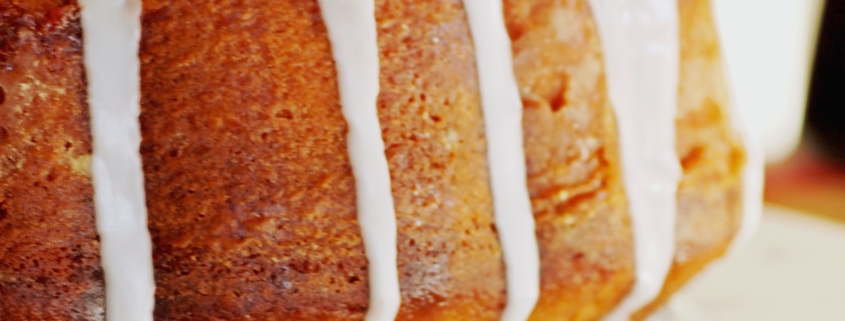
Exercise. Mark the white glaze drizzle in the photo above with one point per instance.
(502, 108)
(352, 31)
(111, 35)
(752, 187)
(641, 50)
(752, 173)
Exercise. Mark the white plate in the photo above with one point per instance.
(793, 269)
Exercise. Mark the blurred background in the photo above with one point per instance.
(786, 59)
(811, 175)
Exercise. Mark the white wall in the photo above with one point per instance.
(769, 47)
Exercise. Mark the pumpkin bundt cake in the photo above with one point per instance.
(351, 159)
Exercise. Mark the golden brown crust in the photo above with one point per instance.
(49, 253)
(199, 174)
(710, 192)
(574, 170)
(251, 198)
(37, 7)
(450, 262)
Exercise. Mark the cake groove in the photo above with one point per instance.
(111, 34)
(352, 32)
(502, 109)
(640, 39)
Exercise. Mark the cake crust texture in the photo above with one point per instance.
(572, 154)
(450, 261)
(49, 250)
(250, 194)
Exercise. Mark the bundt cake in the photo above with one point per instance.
(352, 159)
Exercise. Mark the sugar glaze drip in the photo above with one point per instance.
(752, 177)
(502, 108)
(640, 39)
(352, 31)
(111, 36)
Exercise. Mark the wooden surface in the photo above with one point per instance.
(808, 183)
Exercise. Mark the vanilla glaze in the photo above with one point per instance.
(352, 31)
(111, 36)
(502, 109)
(640, 39)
